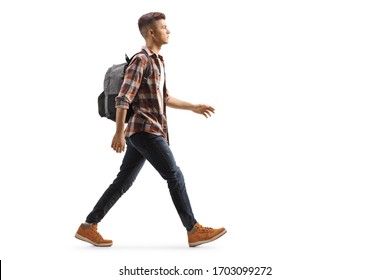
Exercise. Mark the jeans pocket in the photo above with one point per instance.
(143, 139)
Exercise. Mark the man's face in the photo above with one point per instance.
(161, 32)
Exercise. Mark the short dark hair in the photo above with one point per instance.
(148, 20)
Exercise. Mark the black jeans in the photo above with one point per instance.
(154, 148)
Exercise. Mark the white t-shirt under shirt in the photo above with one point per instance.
(160, 96)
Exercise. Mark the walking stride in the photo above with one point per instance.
(145, 137)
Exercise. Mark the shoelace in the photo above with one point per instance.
(202, 228)
(96, 233)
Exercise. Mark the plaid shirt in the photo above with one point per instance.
(149, 116)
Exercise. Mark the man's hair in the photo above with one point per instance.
(147, 21)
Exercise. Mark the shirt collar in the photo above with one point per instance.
(151, 53)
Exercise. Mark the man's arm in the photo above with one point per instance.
(118, 141)
(202, 109)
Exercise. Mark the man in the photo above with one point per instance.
(146, 137)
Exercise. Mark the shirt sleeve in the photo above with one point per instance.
(131, 82)
(166, 95)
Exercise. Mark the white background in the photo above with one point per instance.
(295, 162)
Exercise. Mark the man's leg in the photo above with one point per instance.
(157, 151)
(131, 166)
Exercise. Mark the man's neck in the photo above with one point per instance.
(154, 48)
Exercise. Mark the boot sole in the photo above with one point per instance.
(82, 238)
(194, 244)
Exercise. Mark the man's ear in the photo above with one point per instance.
(151, 32)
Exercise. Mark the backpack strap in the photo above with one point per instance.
(148, 65)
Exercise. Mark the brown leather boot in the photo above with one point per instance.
(199, 235)
(89, 233)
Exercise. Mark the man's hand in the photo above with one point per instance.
(118, 142)
(203, 109)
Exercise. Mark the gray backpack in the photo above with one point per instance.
(113, 81)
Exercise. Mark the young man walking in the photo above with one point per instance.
(146, 137)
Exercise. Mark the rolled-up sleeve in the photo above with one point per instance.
(166, 95)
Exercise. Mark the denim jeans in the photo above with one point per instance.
(154, 148)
